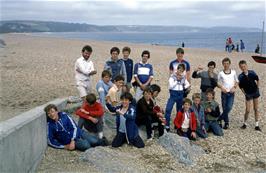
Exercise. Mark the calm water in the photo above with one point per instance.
(195, 40)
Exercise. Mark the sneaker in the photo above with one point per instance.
(149, 140)
(167, 128)
(258, 128)
(226, 126)
(244, 126)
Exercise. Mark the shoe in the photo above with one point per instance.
(258, 128)
(167, 128)
(226, 126)
(244, 126)
(149, 140)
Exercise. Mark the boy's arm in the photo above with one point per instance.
(100, 91)
(51, 138)
(72, 128)
(216, 112)
(124, 72)
(97, 111)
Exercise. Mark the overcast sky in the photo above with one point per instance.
(139, 12)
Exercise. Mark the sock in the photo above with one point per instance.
(100, 135)
(256, 123)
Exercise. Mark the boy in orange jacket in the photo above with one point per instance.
(91, 115)
(185, 121)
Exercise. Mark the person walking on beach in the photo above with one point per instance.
(227, 45)
(114, 65)
(257, 50)
(242, 46)
(227, 82)
(84, 69)
(249, 85)
(208, 78)
(180, 60)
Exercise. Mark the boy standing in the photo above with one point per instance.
(63, 133)
(143, 74)
(91, 115)
(114, 65)
(128, 64)
(84, 69)
(227, 82)
(185, 121)
(249, 85)
(177, 86)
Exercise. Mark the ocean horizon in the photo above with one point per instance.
(215, 41)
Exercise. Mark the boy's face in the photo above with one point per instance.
(53, 114)
(86, 54)
(226, 64)
(119, 84)
(211, 68)
(186, 106)
(126, 54)
(147, 95)
(243, 67)
(180, 55)
(114, 55)
(209, 96)
(178, 74)
(106, 79)
(125, 102)
(196, 101)
(145, 58)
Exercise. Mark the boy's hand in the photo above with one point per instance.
(83, 110)
(159, 114)
(208, 109)
(94, 120)
(193, 134)
(223, 90)
(92, 73)
(72, 145)
(232, 90)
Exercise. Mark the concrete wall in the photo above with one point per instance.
(23, 139)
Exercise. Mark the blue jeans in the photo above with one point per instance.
(86, 141)
(214, 127)
(201, 133)
(175, 97)
(227, 104)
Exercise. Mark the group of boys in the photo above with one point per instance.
(116, 98)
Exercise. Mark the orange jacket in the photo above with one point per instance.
(179, 119)
(96, 110)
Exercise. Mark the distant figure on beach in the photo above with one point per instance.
(128, 64)
(208, 78)
(227, 45)
(143, 74)
(242, 45)
(237, 47)
(249, 85)
(257, 50)
(114, 65)
(227, 82)
(230, 45)
(180, 60)
(91, 115)
(63, 132)
(126, 128)
(84, 69)
(183, 44)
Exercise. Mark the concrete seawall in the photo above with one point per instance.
(23, 139)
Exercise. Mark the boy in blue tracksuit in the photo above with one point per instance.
(63, 132)
(127, 130)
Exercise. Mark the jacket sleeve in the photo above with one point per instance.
(178, 120)
(111, 108)
(130, 114)
(51, 138)
(195, 74)
(144, 109)
(72, 127)
(124, 72)
(193, 122)
(100, 90)
(82, 114)
(98, 111)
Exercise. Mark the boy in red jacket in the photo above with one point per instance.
(185, 121)
(91, 115)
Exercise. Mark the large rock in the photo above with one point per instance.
(181, 148)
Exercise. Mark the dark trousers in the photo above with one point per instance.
(186, 134)
(90, 126)
(120, 139)
(147, 121)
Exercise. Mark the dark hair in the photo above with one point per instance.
(114, 49)
(48, 108)
(179, 50)
(242, 62)
(126, 49)
(106, 73)
(211, 91)
(147, 90)
(145, 52)
(226, 60)
(126, 95)
(181, 66)
(119, 78)
(211, 63)
(155, 87)
(187, 100)
(91, 98)
(87, 48)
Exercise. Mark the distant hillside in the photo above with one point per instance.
(41, 26)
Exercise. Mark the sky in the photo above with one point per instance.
(202, 13)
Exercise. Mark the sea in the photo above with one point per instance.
(215, 41)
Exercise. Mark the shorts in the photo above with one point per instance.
(252, 95)
(84, 88)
